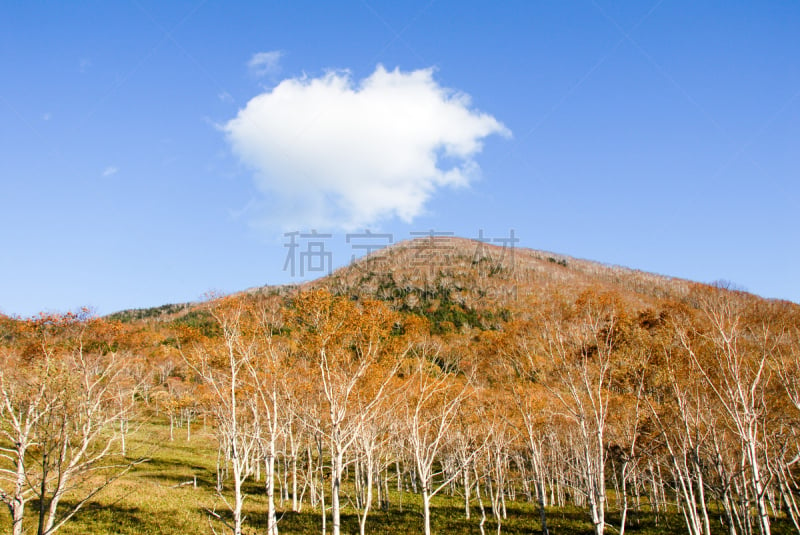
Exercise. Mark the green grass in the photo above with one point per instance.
(148, 500)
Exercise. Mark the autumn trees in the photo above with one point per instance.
(685, 409)
(64, 387)
(353, 353)
(344, 355)
(702, 387)
(223, 363)
(432, 402)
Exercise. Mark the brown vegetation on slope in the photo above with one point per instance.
(444, 366)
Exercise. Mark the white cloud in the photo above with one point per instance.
(110, 170)
(47, 116)
(332, 153)
(265, 63)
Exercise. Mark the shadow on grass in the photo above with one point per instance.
(450, 520)
(116, 518)
(445, 520)
(174, 472)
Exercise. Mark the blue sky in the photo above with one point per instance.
(659, 135)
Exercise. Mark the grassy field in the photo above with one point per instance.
(150, 500)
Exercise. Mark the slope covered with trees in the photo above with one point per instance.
(434, 369)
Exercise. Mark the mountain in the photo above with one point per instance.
(588, 373)
(458, 282)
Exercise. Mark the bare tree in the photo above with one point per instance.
(786, 448)
(731, 345)
(518, 346)
(354, 356)
(60, 392)
(680, 418)
(223, 364)
(433, 397)
(582, 352)
(27, 399)
(268, 385)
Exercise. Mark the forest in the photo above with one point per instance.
(490, 393)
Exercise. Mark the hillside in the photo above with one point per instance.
(522, 387)
(459, 280)
(474, 270)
